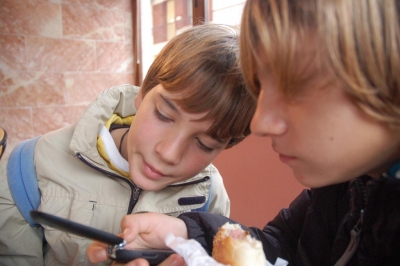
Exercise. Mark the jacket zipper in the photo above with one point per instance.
(304, 260)
(355, 233)
(135, 190)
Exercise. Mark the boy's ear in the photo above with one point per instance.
(138, 100)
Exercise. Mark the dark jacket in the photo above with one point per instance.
(315, 229)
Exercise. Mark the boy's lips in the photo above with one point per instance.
(286, 158)
(151, 172)
(283, 157)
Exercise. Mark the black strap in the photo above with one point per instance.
(122, 139)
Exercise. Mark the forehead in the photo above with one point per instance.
(172, 100)
(293, 70)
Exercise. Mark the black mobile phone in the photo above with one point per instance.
(116, 248)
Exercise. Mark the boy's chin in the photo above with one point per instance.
(310, 181)
(317, 181)
(148, 185)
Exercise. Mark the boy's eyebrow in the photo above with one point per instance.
(173, 107)
(169, 103)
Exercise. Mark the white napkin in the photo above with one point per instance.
(191, 251)
(195, 255)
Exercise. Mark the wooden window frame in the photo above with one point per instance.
(201, 10)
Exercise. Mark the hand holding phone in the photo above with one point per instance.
(116, 248)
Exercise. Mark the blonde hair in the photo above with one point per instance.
(201, 64)
(356, 44)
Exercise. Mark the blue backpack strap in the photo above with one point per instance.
(22, 181)
(207, 205)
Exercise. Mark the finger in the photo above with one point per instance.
(148, 230)
(173, 260)
(96, 252)
(137, 230)
(130, 228)
(137, 262)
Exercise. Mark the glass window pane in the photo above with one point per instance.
(161, 20)
(170, 17)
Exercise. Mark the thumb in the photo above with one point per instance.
(96, 252)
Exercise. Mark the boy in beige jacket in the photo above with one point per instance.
(133, 150)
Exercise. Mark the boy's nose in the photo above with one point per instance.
(268, 119)
(170, 150)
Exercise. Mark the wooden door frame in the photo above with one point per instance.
(137, 44)
(200, 10)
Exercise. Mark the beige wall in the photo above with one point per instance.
(56, 56)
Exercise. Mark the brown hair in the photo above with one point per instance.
(201, 64)
(356, 44)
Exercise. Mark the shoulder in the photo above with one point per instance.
(55, 140)
(52, 152)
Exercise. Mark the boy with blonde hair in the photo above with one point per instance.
(326, 77)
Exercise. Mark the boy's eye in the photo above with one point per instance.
(161, 116)
(204, 147)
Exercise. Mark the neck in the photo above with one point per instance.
(121, 141)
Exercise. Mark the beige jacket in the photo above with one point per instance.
(76, 183)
